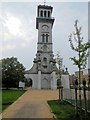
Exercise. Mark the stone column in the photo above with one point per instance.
(53, 81)
(39, 74)
(66, 86)
(39, 79)
(65, 81)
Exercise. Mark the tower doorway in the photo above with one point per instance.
(29, 82)
(45, 84)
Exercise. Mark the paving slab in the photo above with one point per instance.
(32, 104)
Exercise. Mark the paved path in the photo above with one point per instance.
(32, 104)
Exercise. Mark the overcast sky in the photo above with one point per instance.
(20, 34)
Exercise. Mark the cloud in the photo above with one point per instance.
(7, 47)
(18, 31)
(12, 24)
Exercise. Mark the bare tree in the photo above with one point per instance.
(59, 62)
(77, 45)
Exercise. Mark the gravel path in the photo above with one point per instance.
(32, 104)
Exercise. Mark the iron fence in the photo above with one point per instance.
(69, 95)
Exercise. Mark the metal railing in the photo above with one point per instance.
(69, 95)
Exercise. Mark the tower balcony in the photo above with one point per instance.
(44, 19)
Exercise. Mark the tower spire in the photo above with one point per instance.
(44, 2)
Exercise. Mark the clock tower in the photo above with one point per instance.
(44, 24)
(43, 71)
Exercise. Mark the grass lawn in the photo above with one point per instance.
(78, 103)
(64, 111)
(0, 100)
(9, 96)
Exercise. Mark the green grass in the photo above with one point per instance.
(0, 100)
(78, 103)
(65, 111)
(9, 96)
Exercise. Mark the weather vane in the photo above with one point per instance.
(44, 2)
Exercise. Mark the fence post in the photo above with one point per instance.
(61, 93)
(85, 103)
(76, 86)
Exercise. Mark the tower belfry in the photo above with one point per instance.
(43, 71)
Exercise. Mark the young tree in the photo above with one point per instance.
(82, 52)
(12, 72)
(59, 62)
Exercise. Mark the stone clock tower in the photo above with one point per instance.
(42, 73)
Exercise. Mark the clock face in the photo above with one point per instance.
(45, 27)
(44, 47)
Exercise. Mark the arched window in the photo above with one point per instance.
(45, 59)
(41, 13)
(47, 38)
(43, 38)
(44, 13)
(45, 48)
(48, 13)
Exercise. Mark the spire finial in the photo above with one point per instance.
(44, 2)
